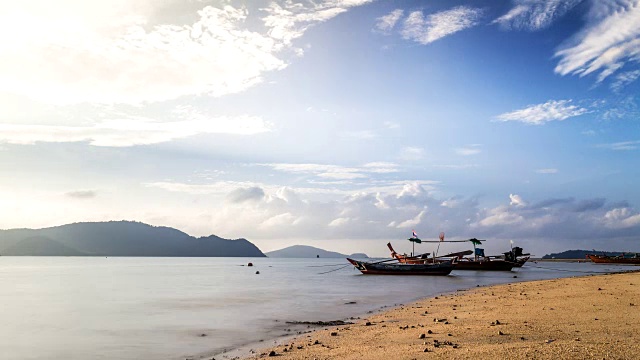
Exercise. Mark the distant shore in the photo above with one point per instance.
(590, 317)
(561, 260)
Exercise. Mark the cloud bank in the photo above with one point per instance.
(73, 52)
(126, 132)
(283, 213)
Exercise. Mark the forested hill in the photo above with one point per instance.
(305, 251)
(118, 238)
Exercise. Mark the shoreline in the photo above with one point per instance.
(590, 316)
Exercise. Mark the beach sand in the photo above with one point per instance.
(591, 317)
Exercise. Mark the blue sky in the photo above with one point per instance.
(341, 124)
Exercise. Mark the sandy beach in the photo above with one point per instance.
(591, 317)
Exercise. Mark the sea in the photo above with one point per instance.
(196, 308)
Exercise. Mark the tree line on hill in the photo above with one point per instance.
(131, 238)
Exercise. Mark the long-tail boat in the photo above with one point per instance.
(479, 261)
(516, 256)
(511, 259)
(397, 268)
(620, 259)
(405, 259)
(484, 263)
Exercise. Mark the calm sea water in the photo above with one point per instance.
(175, 308)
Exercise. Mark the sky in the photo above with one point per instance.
(340, 124)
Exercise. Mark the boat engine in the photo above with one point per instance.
(513, 254)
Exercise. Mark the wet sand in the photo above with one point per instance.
(591, 317)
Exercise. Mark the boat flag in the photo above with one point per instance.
(415, 238)
(475, 241)
(442, 236)
(511, 241)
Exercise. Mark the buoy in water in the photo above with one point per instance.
(257, 272)
(250, 264)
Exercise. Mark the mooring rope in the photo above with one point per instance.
(340, 268)
(342, 263)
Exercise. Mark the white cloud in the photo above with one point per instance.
(439, 25)
(610, 39)
(381, 167)
(624, 79)
(132, 131)
(621, 218)
(547, 171)
(386, 23)
(452, 202)
(411, 153)
(499, 217)
(516, 200)
(336, 172)
(623, 145)
(130, 51)
(534, 14)
(552, 110)
(413, 222)
(227, 187)
(280, 220)
(218, 187)
(339, 222)
(289, 20)
(412, 190)
(381, 214)
(468, 150)
(333, 172)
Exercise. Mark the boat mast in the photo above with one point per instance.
(441, 240)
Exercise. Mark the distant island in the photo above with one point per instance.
(119, 238)
(579, 254)
(304, 251)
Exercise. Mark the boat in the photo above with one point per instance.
(516, 256)
(479, 261)
(520, 261)
(385, 268)
(484, 263)
(405, 259)
(505, 262)
(620, 259)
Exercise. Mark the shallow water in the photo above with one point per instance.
(173, 308)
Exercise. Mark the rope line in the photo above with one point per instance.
(340, 268)
(342, 263)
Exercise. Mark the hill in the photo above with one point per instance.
(304, 251)
(118, 238)
(578, 254)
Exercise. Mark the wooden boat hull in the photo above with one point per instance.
(493, 265)
(369, 268)
(519, 262)
(601, 259)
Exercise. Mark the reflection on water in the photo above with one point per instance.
(169, 308)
